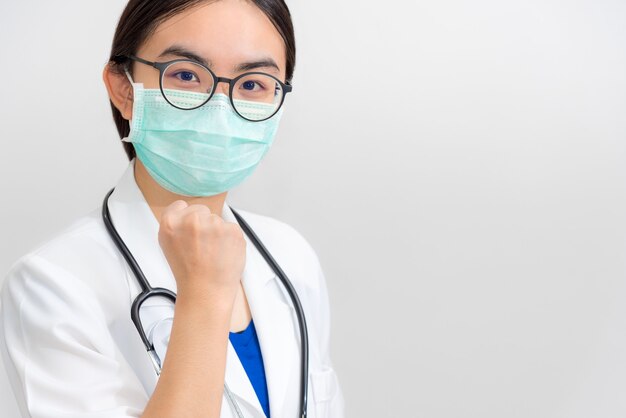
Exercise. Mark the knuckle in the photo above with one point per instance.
(193, 220)
(175, 206)
(216, 221)
(167, 222)
(198, 207)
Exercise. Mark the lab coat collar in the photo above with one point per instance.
(274, 317)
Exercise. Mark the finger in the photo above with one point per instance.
(173, 207)
(195, 208)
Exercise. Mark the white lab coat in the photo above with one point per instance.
(71, 350)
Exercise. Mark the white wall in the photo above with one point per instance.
(460, 168)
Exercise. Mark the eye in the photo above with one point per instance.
(186, 76)
(257, 87)
(249, 85)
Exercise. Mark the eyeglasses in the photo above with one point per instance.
(187, 85)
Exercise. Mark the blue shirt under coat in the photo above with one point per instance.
(246, 344)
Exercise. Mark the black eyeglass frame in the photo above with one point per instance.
(162, 66)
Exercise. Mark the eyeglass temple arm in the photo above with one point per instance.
(119, 59)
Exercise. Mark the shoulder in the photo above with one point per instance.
(273, 229)
(68, 262)
(85, 231)
(64, 285)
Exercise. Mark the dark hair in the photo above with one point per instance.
(141, 17)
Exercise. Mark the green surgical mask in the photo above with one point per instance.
(199, 152)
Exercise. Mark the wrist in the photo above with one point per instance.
(209, 296)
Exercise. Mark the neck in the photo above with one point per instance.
(159, 198)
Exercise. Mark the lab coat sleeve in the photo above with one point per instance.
(57, 348)
(331, 398)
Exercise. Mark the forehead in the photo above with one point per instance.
(224, 32)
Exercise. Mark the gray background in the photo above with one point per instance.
(460, 168)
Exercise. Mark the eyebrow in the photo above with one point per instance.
(241, 67)
(251, 65)
(183, 52)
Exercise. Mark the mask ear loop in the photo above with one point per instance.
(133, 85)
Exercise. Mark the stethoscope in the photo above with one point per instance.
(149, 291)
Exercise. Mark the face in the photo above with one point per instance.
(230, 36)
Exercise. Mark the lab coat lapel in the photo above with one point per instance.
(139, 228)
(238, 382)
(276, 325)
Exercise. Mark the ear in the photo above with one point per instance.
(120, 91)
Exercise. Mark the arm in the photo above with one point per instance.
(207, 256)
(62, 360)
(192, 378)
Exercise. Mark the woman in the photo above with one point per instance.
(196, 89)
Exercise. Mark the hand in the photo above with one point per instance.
(205, 253)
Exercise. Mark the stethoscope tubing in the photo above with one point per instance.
(304, 335)
(148, 291)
